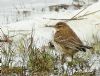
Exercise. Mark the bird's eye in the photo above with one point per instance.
(59, 26)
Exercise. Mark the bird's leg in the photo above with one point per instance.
(62, 59)
(72, 57)
(62, 62)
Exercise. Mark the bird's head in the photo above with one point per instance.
(60, 25)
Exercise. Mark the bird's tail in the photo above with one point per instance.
(88, 47)
(83, 48)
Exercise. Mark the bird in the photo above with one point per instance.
(66, 40)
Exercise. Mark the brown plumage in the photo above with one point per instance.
(66, 39)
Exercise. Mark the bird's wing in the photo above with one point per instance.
(69, 42)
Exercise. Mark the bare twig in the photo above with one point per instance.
(89, 13)
(66, 19)
(78, 18)
(73, 18)
(78, 13)
(6, 38)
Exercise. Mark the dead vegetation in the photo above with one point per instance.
(40, 62)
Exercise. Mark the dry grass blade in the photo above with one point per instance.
(78, 13)
(67, 19)
(89, 13)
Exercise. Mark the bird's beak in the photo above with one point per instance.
(49, 26)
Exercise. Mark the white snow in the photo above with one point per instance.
(85, 28)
